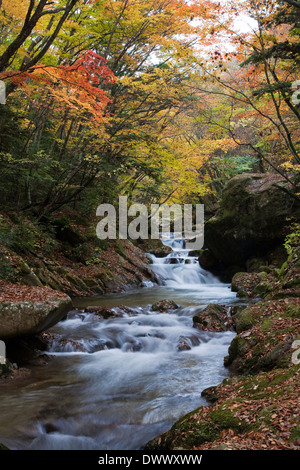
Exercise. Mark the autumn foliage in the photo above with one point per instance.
(162, 102)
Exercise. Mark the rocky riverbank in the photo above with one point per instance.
(68, 258)
(257, 408)
(26, 311)
(42, 268)
(255, 215)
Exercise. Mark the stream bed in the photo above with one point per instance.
(115, 384)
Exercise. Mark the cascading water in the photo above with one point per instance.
(179, 269)
(119, 382)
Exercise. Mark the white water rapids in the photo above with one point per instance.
(117, 383)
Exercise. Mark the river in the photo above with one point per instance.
(117, 383)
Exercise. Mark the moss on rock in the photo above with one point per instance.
(214, 317)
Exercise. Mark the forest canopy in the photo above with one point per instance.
(159, 101)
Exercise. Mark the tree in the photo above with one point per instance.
(114, 131)
(30, 26)
(253, 84)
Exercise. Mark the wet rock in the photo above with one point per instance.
(70, 345)
(164, 305)
(50, 427)
(41, 360)
(213, 318)
(101, 311)
(183, 344)
(9, 371)
(210, 394)
(105, 312)
(75, 314)
(237, 309)
(133, 346)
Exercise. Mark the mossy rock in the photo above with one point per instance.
(31, 279)
(224, 419)
(244, 321)
(252, 221)
(210, 394)
(189, 432)
(262, 289)
(238, 348)
(76, 281)
(213, 318)
(278, 357)
(257, 397)
(204, 432)
(242, 293)
(6, 369)
(194, 429)
(237, 309)
(23, 267)
(90, 282)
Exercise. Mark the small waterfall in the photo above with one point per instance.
(178, 269)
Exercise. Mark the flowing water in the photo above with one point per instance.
(117, 383)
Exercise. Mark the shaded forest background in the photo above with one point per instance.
(159, 101)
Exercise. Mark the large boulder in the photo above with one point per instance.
(254, 217)
(29, 318)
(26, 311)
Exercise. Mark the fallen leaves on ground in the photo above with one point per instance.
(10, 292)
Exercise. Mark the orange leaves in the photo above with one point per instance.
(92, 68)
(79, 86)
(226, 433)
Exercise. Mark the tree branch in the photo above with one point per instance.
(293, 3)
